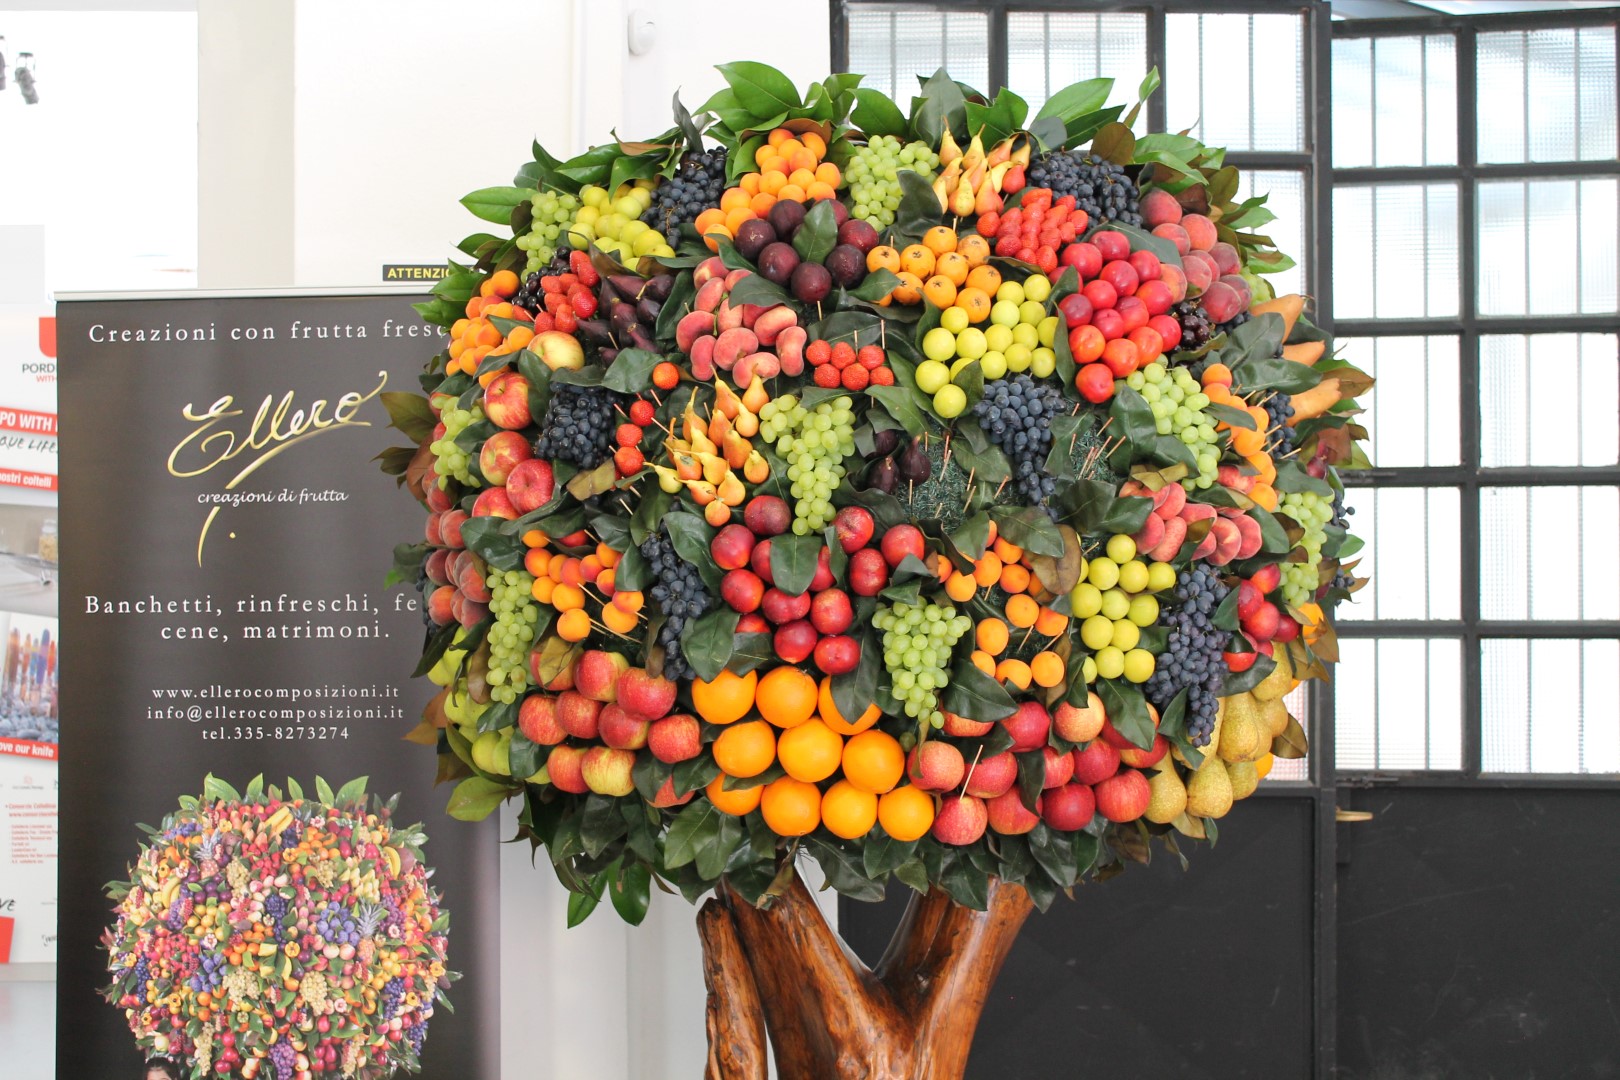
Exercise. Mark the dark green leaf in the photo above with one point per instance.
(1292, 478)
(919, 208)
(942, 107)
(631, 371)
(1127, 711)
(1077, 99)
(855, 691)
(750, 651)
(975, 695)
(707, 642)
(759, 290)
(1031, 777)
(410, 414)
(793, 561)
(1239, 681)
(1133, 417)
(876, 115)
(601, 824)
(630, 890)
(972, 535)
(1114, 143)
(760, 88)
(1030, 528)
(1274, 373)
(649, 511)
(878, 284)
(964, 882)
(694, 773)
(484, 536)
(496, 203)
(711, 860)
(902, 404)
(819, 233)
(1233, 416)
(883, 853)
(693, 831)
(634, 573)
(690, 536)
(581, 905)
(842, 865)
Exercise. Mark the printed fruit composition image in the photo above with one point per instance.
(934, 490)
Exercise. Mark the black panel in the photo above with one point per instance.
(1479, 936)
(1159, 972)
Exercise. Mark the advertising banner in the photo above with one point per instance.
(225, 540)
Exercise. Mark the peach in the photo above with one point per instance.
(1168, 500)
(790, 349)
(1174, 233)
(709, 295)
(693, 325)
(728, 317)
(712, 267)
(772, 322)
(1175, 533)
(440, 604)
(703, 357)
(733, 345)
(761, 365)
(1200, 231)
(1151, 534)
(1159, 207)
(736, 276)
(1228, 541)
(471, 582)
(565, 765)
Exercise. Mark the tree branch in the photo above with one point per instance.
(734, 1017)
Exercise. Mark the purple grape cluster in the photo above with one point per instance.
(393, 992)
(283, 1057)
(209, 975)
(1017, 414)
(579, 425)
(698, 183)
(680, 594)
(1279, 410)
(1192, 659)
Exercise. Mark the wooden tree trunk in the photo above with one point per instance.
(783, 970)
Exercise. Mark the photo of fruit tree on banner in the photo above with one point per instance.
(938, 492)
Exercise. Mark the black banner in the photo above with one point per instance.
(225, 539)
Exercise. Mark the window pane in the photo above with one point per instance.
(1412, 417)
(1547, 95)
(1285, 191)
(1412, 553)
(1395, 251)
(892, 46)
(1548, 399)
(1548, 553)
(1398, 704)
(1395, 101)
(1214, 86)
(1047, 51)
(1549, 706)
(1565, 229)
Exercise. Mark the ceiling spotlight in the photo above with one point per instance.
(25, 78)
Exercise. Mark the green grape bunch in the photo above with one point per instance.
(814, 443)
(1178, 405)
(451, 460)
(1312, 513)
(917, 643)
(873, 176)
(516, 617)
(554, 212)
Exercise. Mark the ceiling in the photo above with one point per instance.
(1398, 9)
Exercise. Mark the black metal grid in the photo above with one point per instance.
(1469, 326)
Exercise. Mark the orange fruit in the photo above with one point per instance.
(883, 257)
(1014, 671)
(873, 761)
(791, 192)
(810, 751)
(953, 266)
(1047, 669)
(815, 189)
(630, 600)
(709, 219)
(961, 587)
(1050, 623)
(991, 634)
(749, 182)
(568, 598)
(909, 291)
(976, 250)
(574, 625)
(801, 176)
(772, 182)
(940, 239)
(906, 813)
(727, 698)
(985, 278)
(746, 749)
(1014, 578)
(983, 661)
(733, 198)
(737, 215)
(786, 697)
(918, 260)
(987, 571)
(791, 807)
(847, 811)
(618, 620)
(1022, 611)
(827, 173)
(976, 302)
(940, 290)
(777, 137)
(834, 720)
(761, 204)
(814, 143)
(736, 803)
(1006, 550)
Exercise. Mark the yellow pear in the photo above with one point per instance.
(1273, 718)
(1209, 792)
(756, 396)
(1167, 795)
(1244, 777)
(1242, 736)
(1276, 684)
(948, 150)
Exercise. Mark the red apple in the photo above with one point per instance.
(620, 729)
(781, 608)
(868, 572)
(961, 820)
(494, 502)
(537, 719)
(1079, 725)
(1267, 578)
(1123, 796)
(992, 775)
(530, 485)
(753, 624)
(503, 452)
(578, 715)
(1095, 763)
(645, 695)
(731, 547)
(831, 612)
(1009, 816)
(1059, 767)
(935, 765)
(823, 577)
(962, 727)
(1068, 808)
(743, 590)
(767, 515)
(795, 641)
(900, 541)
(1138, 758)
(854, 526)
(838, 654)
(675, 738)
(760, 561)
(597, 674)
(1029, 726)
(565, 765)
(1263, 622)
(607, 771)
(506, 402)
(558, 350)
(666, 797)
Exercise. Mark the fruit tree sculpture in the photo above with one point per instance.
(939, 495)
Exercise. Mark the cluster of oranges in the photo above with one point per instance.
(474, 337)
(799, 728)
(564, 581)
(1005, 565)
(945, 269)
(1249, 443)
(791, 169)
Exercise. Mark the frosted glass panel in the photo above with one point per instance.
(1548, 553)
(1413, 549)
(1564, 230)
(892, 46)
(1047, 51)
(1548, 399)
(1395, 251)
(1395, 101)
(1549, 706)
(1213, 86)
(1547, 95)
(1398, 704)
(1413, 414)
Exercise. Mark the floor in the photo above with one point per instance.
(27, 1024)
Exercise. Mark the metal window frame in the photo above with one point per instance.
(1469, 327)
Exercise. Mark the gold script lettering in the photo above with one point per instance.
(275, 427)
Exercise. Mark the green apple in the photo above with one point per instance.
(970, 343)
(939, 344)
(932, 374)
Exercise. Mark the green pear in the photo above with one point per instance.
(1167, 795)
(1274, 717)
(1276, 684)
(1209, 792)
(1243, 738)
(1244, 777)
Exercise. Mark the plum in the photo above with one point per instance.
(778, 261)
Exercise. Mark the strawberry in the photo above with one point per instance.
(584, 302)
(566, 321)
(580, 263)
